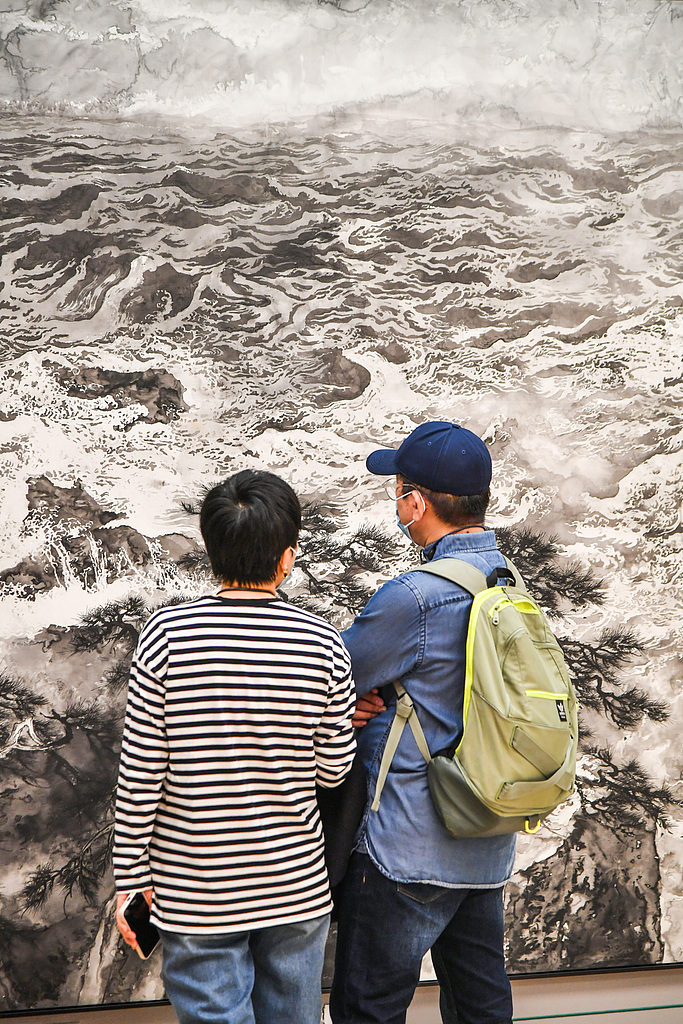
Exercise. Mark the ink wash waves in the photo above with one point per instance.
(340, 282)
(305, 270)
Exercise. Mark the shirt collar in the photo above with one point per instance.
(458, 543)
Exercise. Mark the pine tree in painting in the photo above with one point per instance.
(595, 900)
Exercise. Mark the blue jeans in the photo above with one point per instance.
(385, 928)
(265, 976)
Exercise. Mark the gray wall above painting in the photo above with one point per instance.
(607, 64)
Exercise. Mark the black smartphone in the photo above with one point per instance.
(136, 912)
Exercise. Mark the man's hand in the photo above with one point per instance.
(121, 923)
(367, 707)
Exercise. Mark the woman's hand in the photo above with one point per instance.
(121, 923)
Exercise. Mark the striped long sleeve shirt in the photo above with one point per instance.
(236, 709)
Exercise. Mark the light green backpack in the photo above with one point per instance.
(516, 759)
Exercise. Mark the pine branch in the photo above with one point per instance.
(118, 675)
(623, 797)
(171, 602)
(116, 622)
(553, 585)
(17, 698)
(91, 718)
(38, 888)
(81, 873)
(315, 521)
(595, 668)
(330, 563)
(192, 561)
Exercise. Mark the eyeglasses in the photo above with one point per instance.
(391, 494)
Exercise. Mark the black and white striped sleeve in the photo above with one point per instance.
(334, 738)
(144, 759)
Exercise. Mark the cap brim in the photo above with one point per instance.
(382, 462)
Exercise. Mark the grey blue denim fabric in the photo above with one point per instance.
(414, 629)
(264, 976)
(384, 930)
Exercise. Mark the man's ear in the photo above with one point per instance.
(419, 505)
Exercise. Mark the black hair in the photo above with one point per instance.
(452, 509)
(247, 522)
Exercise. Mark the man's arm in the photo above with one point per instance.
(386, 640)
(367, 707)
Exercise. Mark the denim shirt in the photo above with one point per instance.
(414, 630)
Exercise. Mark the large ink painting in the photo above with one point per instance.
(278, 234)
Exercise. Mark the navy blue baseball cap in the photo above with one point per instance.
(439, 455)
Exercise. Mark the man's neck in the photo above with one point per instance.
(437, 530)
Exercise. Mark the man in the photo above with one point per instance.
(411, 886)
(239, 703)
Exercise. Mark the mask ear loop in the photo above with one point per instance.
(414, 491)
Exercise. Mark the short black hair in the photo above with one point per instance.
(247, 522)
(452, 509)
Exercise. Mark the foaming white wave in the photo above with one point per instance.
(613, 64)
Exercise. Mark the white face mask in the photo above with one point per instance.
(404, 527)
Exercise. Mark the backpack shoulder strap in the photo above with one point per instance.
(467, 576)
(405, 713)
(457, 571)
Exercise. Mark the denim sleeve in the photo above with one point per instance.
(386, 641)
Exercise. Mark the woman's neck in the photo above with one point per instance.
(246, 588)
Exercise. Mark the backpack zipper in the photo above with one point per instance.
(502, 601)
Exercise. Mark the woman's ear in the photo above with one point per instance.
(286, 562)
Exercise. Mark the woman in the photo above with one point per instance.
(239, 703)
